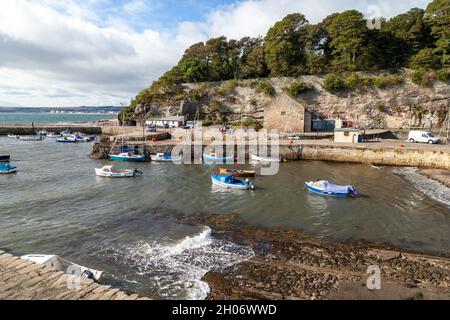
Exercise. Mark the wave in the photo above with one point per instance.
(429, 187)
(174, 269)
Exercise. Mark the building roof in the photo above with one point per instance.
(170, 118)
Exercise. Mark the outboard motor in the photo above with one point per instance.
(88, 275)
(355, 193)
(136, 171)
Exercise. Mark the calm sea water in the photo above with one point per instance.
(56, 205)
(46, 118)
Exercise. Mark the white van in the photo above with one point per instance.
(422, 136)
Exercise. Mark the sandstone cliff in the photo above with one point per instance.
(400, 106)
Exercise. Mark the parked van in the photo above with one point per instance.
(422, 136)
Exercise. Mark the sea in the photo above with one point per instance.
(128, 228)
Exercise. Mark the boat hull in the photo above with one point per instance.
(125, 174)
(208, 158)
(265, 159)
(163, 159)
(9, 171)
(126, 158)
(230, 186)
(322, 192)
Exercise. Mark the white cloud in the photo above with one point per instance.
(55, 52)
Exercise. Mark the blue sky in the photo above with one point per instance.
(103, 52)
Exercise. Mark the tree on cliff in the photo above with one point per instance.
(285, 46)
(348, 31)
(437, 16)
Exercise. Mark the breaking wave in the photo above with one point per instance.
(429, 187)
(175, 268)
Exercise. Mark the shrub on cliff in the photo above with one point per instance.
(422, 78)
(264, 86)
(298, 87)
(227, 88)
(443, 74)
(333, 83)
(252, 123)
(352, 81)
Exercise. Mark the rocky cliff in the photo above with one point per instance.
(403, 105)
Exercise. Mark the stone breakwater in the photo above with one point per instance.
(389, 153)
(24, 280)
(289, 265)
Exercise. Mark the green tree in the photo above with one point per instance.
(437, 16)
(348, 32)
(426, 59)
(285, 46)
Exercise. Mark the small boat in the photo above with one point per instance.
(42, 133)
(161, 157)
(230, 182)
(31, 138)
(66, 133)
(112, 172)
(238, 173)
(13, 136)
(326, 188)
(5, 158)
(6, 168)
(265, 159)
(212, 157)
(81, 138)
(127, 156)
(67, 139)
(53, 135)
(55, 262)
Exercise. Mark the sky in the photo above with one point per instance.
(69, 53)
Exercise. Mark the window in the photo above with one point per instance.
(346, 134)
(283, 113)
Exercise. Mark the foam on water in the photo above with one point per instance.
(429, 187)
(176, 268)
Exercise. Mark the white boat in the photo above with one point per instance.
(161, 157)
(53, 135)
(42, 133)
(31, 138)
(264, 159)
(112, 172)
(13, 136)
(65, 266)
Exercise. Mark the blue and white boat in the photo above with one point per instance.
(212, 157)
(6, 168)
(229, 181)
(67, 139)
(326, 188)
(127, 156)
(161, 157)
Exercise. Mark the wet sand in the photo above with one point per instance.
(289, 265)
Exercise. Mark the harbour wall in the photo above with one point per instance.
(29, 130)
(415, 156)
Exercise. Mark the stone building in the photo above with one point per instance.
(287, 115)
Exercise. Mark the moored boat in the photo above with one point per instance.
(161, 157)
(113, 172)
(31, 138)
(326, 188)
(264, 159)
(42, 133)
(212, 157)
(53, 135)
(58, 263)
(230, 182)
(238, 173)
(6, 168)
(127, 156)
(13, 136)
(67, 139)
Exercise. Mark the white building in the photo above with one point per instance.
(171, 122)
(346, 135)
